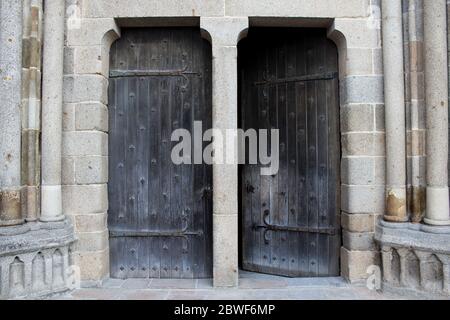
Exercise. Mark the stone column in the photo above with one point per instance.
(415, 101)
(394, 92)
(10, 116)
(31, 108)
(224, 34)
(52, 90)
(436, 95)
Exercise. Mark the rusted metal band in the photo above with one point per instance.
(312, 77)
(154, 234)
(267, 227)
(151, 73)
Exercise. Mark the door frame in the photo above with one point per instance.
(94, 68)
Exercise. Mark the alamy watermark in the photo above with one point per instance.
(227, 147)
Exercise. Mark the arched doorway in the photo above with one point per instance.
(160, 213)
(290, 220)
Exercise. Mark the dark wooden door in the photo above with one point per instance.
(159, 213)
(290, 221)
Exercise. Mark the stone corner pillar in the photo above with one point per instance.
(436, 96)
(394, 92)
(11, 28)
(52, 100)
(224, 34)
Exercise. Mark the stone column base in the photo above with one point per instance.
(415, 258)
(437, 207)
(35, 260)
(51, 203)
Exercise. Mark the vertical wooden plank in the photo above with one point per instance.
(246, 184)
(292, 157)
(323, 170)
(122, 171)
(186, 169)
(273, 124)
(323, 210)
(131, 161)
(112, 187)
(154, 161)
(302, 151)
(256, 114)
(142, 150)
(199, 189)
(312, 158)
(206, 222)
(282, 176)
(265, 95)
(197, 185)
(165, 165)
(117, 142)
(206, 97)
(313, 205)
(177, 212)
(334, 159)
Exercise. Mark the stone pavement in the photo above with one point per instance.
(251, 287)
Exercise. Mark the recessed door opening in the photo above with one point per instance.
(289, 222)
(160, 213)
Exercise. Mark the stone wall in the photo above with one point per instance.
(408, 259)
(85, 139)
(363, 143)
(355, 29)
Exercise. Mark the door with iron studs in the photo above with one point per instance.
(290, 221)
(160, 213)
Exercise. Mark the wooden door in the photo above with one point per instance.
(290, 221)
(160, 213)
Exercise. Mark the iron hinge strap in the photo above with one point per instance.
(321, 230)
(151, 73)
(311, 77)
(155, 234)
(273, 227)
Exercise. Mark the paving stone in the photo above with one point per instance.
(189, 294)
(204, 284)
(172, 284)
(112, 283)
(136, 284)
(262, 283)
(96, 294)
(317, 282)
(145, 294)
(298, 289)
